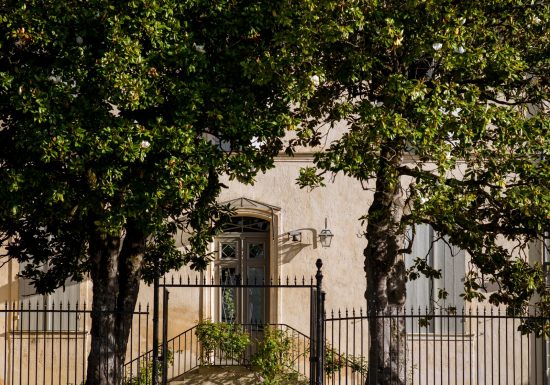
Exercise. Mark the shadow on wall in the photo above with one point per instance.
(289, 249)
(6, 290)
(217, 375)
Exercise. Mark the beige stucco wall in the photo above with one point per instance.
(341, 202)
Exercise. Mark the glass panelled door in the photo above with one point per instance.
(243, 258)
(255, 296)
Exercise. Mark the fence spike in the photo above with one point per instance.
(172, 279)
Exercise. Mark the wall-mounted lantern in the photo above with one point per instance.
(325, 236)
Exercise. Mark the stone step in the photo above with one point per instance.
(217, 375)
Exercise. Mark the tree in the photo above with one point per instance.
(116, 121)
(446, 107)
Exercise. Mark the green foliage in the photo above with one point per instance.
(118, 121)
(310, 178)
(228, 303)
(335, 362)
(274, 360)
(121, 117)
(229, 339)
(145, 372)
(443, 106)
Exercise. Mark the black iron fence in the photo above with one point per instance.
(49, 344)
(185, 352)
(476, 346)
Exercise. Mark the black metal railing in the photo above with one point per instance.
(436, 347)
(185, 353)
(49, 344)
(479, 346)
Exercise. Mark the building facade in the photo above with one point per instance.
(275, 235)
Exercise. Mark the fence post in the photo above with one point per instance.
(165, 336)
(313, 342)
(155, 352)
(323, 338)
(319, 345)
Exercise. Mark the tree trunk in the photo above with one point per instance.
(385, 272)
(115, 277)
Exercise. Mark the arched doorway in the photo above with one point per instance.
(242, 255)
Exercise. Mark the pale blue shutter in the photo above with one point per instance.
(64, 299)
(450, 260)
(419, 290)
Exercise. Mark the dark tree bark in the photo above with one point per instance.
(385, 272)
(115, 277)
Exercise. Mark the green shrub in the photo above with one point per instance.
(334, 362)
(273, 363)
(229, 339)
(274, 360)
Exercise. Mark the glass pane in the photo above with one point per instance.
(229, 297)
(228, 251)
(247, 225)
(255, 250)
(256, 296)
